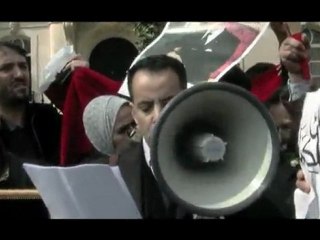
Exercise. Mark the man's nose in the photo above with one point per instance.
(285, 130)
(287, 122)
(156, 114)
(18, 72)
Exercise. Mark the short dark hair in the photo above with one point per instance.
(282, 93)
(258, 69)
(157, 63)
(19, 50)
(237, 77)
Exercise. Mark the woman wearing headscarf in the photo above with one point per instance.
(108, 124)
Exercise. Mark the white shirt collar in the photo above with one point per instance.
(147, 154)
(146, 150)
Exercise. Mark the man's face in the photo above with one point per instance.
(284, 123)
(151, 91)
(14, 76)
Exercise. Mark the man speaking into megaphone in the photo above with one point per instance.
(152, 83)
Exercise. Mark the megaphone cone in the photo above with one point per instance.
(214, 149)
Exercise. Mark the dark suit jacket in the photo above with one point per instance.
(42, 130)
(43, 123)
(277, 200)
(144, 187)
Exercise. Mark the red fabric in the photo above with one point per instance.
(85, 84)
(305, 63)
(265, 84)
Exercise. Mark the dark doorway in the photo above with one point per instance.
(113, 57)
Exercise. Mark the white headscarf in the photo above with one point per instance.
(99, 118)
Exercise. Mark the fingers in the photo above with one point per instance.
(294, 55)
(77, 63)
(68, 65)
(292, 67)
(300, 175)
(291, 43)
(78, 57)
(292, 52)
(301, 182)
(281, 28)
(305, 41)
(304, 186)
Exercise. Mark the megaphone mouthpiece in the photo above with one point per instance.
(210, 147)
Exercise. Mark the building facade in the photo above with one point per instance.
(110, 47)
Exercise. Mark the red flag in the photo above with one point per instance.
(85, 84)
(265, 84)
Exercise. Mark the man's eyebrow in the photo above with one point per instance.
(13, 63)
(6, 63)
(145, 102)
(167, 98)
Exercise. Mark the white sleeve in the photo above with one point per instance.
(298, 88)
(301, 202)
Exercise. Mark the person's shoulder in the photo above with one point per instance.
(44, 113)
(131, 153)
(43, 108)
(131, 146)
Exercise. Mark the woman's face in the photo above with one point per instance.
(123, 127)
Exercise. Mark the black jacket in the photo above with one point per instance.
(143, 186)
(42, 125)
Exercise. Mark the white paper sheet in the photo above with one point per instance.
(88, 191)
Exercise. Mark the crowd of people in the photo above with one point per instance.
(117, 131)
